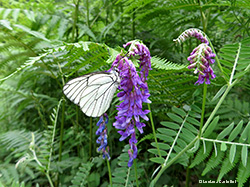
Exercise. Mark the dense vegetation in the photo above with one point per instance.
(194, 132)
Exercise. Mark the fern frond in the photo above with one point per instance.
(227, 165)
(160, 63)
(124, 175)
(243, 173)
(80, 179)
(27, 64)
(18, 141)
(213, 161)
(202, 154)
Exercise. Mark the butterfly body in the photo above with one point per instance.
(93, 92)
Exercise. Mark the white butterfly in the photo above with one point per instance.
(93, 92)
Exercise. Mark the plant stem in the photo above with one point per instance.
(61, 130)
(136, 176)
(203, 18)
(87, 9)
(217, 107)
(77, 128)
(50, 181)
(61, 138)
(187, 177)
(75, 19)
(133, 25)
(110, 176)
(203, 107)
(90, 136)
(153, 128)
(163, 168)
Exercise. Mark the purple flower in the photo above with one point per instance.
(134, 92)
(102, 139)
(201, 59)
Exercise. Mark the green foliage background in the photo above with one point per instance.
(45, 43)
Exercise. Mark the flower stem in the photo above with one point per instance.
(203, 107)
(90, 136)
(110, 176)
(136, 176)
(153, 128)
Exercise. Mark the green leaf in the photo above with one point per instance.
(15, 14)
(165, 138)
(232, 153)
(171, 125)
(34, 33)
(87, 30)
(6, 24)
(193, 121)
(245, 133)
(235, 132)
(174, 117)
(155, 152)
(215, 149)
(195, 147)
(161, 145)
(219, 93)
(157, 160)
(6, 13)
(179, 111)
(244, 154)
(30, 15)
(211, 127)
(225, 132)
(223, 147)
(168, 132)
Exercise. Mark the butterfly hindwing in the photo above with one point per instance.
(93, 92)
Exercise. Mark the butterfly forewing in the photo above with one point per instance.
(93, 92)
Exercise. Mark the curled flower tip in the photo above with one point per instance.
(103, 137)
(192, 33)
(139, 49)
(201, 59)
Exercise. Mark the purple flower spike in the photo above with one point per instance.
(134, 92)
(103, 137)
(201, 62)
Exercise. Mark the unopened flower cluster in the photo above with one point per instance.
(134, 92)
(201, 57)
(192, 33)
(103, 137)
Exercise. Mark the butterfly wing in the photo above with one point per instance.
(93, 92)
